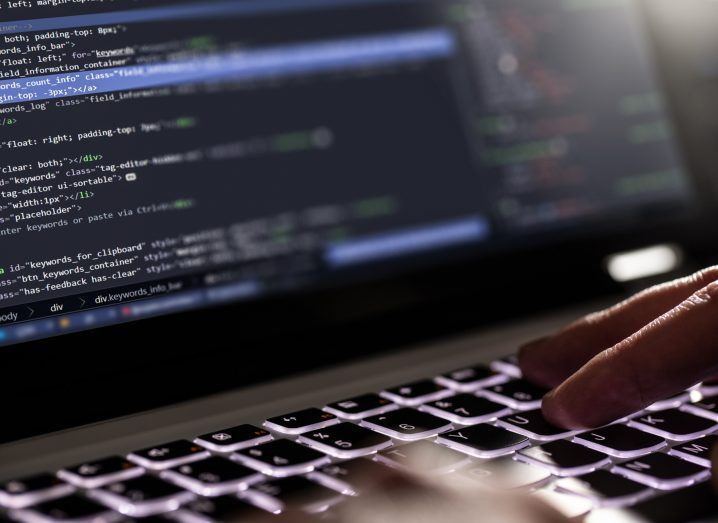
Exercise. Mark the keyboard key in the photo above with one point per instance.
(407, 424)
(518, 394)
(572, 507)
(564, 458)
(707, 407)
(483, 441)
(674, 424)
(508, 365)
(696, 503)
(229, 509)
(662, 471)
(298, 493)
(605, 489)
(471, 378)
(73, 508)
(672, 402)
(424, 457)
(281, 458)
(416, 393)
(301, 421)
(94, 474)
(533, 425)
(214, 476)
(168, 455)
(234, 439)
(697, 451)
(28, 491)
(621, 441)
(360, 407)
(708, 388)
(507, 474)
(349, 477)
(345, 441)
(143, 496)
(466, 409)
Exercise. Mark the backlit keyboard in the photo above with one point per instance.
(481, 423)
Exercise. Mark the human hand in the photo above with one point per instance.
(398, 497)
(603, 367)
(621, 360)
(394, 497)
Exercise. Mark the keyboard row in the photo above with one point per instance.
(148, 495)
(478, 423)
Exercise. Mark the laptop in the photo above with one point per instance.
(249, 247)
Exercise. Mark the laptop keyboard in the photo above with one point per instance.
(481, 424)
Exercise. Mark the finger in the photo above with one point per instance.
(551, 360)
(667, 356)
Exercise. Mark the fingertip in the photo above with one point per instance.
(589, 399)
(559, 411)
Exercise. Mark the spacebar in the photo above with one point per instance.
(691, 504)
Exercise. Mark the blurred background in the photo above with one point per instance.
(686, 33)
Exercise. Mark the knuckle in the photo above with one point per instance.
(705, 297)
(710, 292)
(706, 276)
(595, 318)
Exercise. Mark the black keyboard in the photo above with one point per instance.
(482, 424)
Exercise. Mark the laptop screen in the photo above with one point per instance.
(159, 157)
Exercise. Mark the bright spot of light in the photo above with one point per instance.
(508, 64)
(643, 263)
